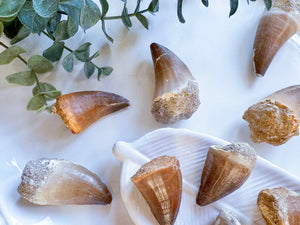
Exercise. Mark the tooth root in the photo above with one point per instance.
(79, 110)
(275, 118)
(226, 217)
(160, 183)
(274, 29)
(60, 182)
(279, 206)
(226, 169)
(176, 90)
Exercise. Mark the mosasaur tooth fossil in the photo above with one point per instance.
(226, 217)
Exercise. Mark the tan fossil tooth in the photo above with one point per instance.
(279, 206)
(60, 182)
(226, 168)
(226, 217)
(176, 94)
(275, 118)
(274, 29)
(160, 183)
(79, 110)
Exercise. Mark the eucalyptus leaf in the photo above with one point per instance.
(233, 6)
(99, 73)
(55, 52)
(68, 62)
(61, 32)
(25, 78)
(83, 52)
(72, 27)
(143, 20)
(268, 4)
(12, 28)
(53, 23)
(179, 11)
(1, 28)
(10, 8)
(89, 15)
(96, 54)
(205, 3)
(23, 33)
(106, 70)
(72, 8)
(137, 8)
(89, 69)
(36, 102)
(153, 6)
(105, 33)
(125, 18)
(46, 8)
(46, 89)
(40, 64)
(104, 6)
(10, 54)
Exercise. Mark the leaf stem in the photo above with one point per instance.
(120, 17)
(20, 57)
(38, 84)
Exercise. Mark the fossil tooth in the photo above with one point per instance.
(79, 110)
(275, 118)
(160, 183)
(274, 29)
(176, 94)
(60, 182)
(279, 206)
(226, 217)
(226, 168)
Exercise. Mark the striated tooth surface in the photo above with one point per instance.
(274, 29)
(226, 168)
(279, 206)
(176, 94)
(275, 119)
(160, 183)
(79, 110)
(226, 217)
(60, 182)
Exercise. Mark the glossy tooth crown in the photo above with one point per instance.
(275, 118)
(79, 110)
(274, 29)
(279, 206)
(160, 183)
(176, 90)
(226, 169)
(59, 182)
(226, 217)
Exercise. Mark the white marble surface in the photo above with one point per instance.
(218, 52)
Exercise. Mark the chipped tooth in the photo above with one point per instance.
(226, 217)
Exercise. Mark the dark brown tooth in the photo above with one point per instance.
(275, 118)
(160, 183)
(279, 206)
(226, 168)
(226, 217)
(274, 29)
(60, 182)
(176, 94)
(79, 110)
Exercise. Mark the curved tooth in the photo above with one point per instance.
(160, 183)
(275, 118)
(274, 29)
(60, 182)
(176, 90)
(226, 168)
(79, 110)
(279, 206)
(226, 217)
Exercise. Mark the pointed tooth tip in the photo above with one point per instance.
(157, 50)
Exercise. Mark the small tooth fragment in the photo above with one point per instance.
(226, 217)
(275, 118)
(226, 168)
(160, 183)
(279, 206)
(60, 182)
(176, 94)
(274, 29)
(79, 110)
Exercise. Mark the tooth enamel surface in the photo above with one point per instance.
(226, 217)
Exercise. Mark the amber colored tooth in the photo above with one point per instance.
(274, 29)
(226, 168)
(176, 94)
(60, 182)
(275, 118)
(279, 206)
(226, 217)
(160, 183)
(79, 110)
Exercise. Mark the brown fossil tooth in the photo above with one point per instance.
(79, 110)
(176, 94)
(274, 29)
(279, 206)
(160, 183)
(275, 118)
(226, 217)
(60, 182)
(226, 168)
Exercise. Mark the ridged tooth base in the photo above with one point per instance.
(226, 217)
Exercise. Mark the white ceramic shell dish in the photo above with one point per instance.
(191, 149)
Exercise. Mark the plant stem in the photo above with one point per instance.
(120, 17)
(38, 84)
(20, 57)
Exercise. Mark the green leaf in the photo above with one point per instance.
(89, 15)
(205, 3)
(72, 8)
(68, 63)
(46, 8)
(154, 6)
(105, 33)
(83, 52)
(12, 28)
(72, 27)
(10, 8)
(233, 7)
(106, 70)
(179, 11)
(268, 4)
(46, 89)
(53, 23)
(99, 74)
(36, 102)
(55, 52)
(104, 6)
(1, 28)
(10, 54)
(143, 20)
(89, 69)
(23, 33)
(25, 78)
(137, 8)
(40, 64)
(125, 18)
(61, 32)
(96, 54)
